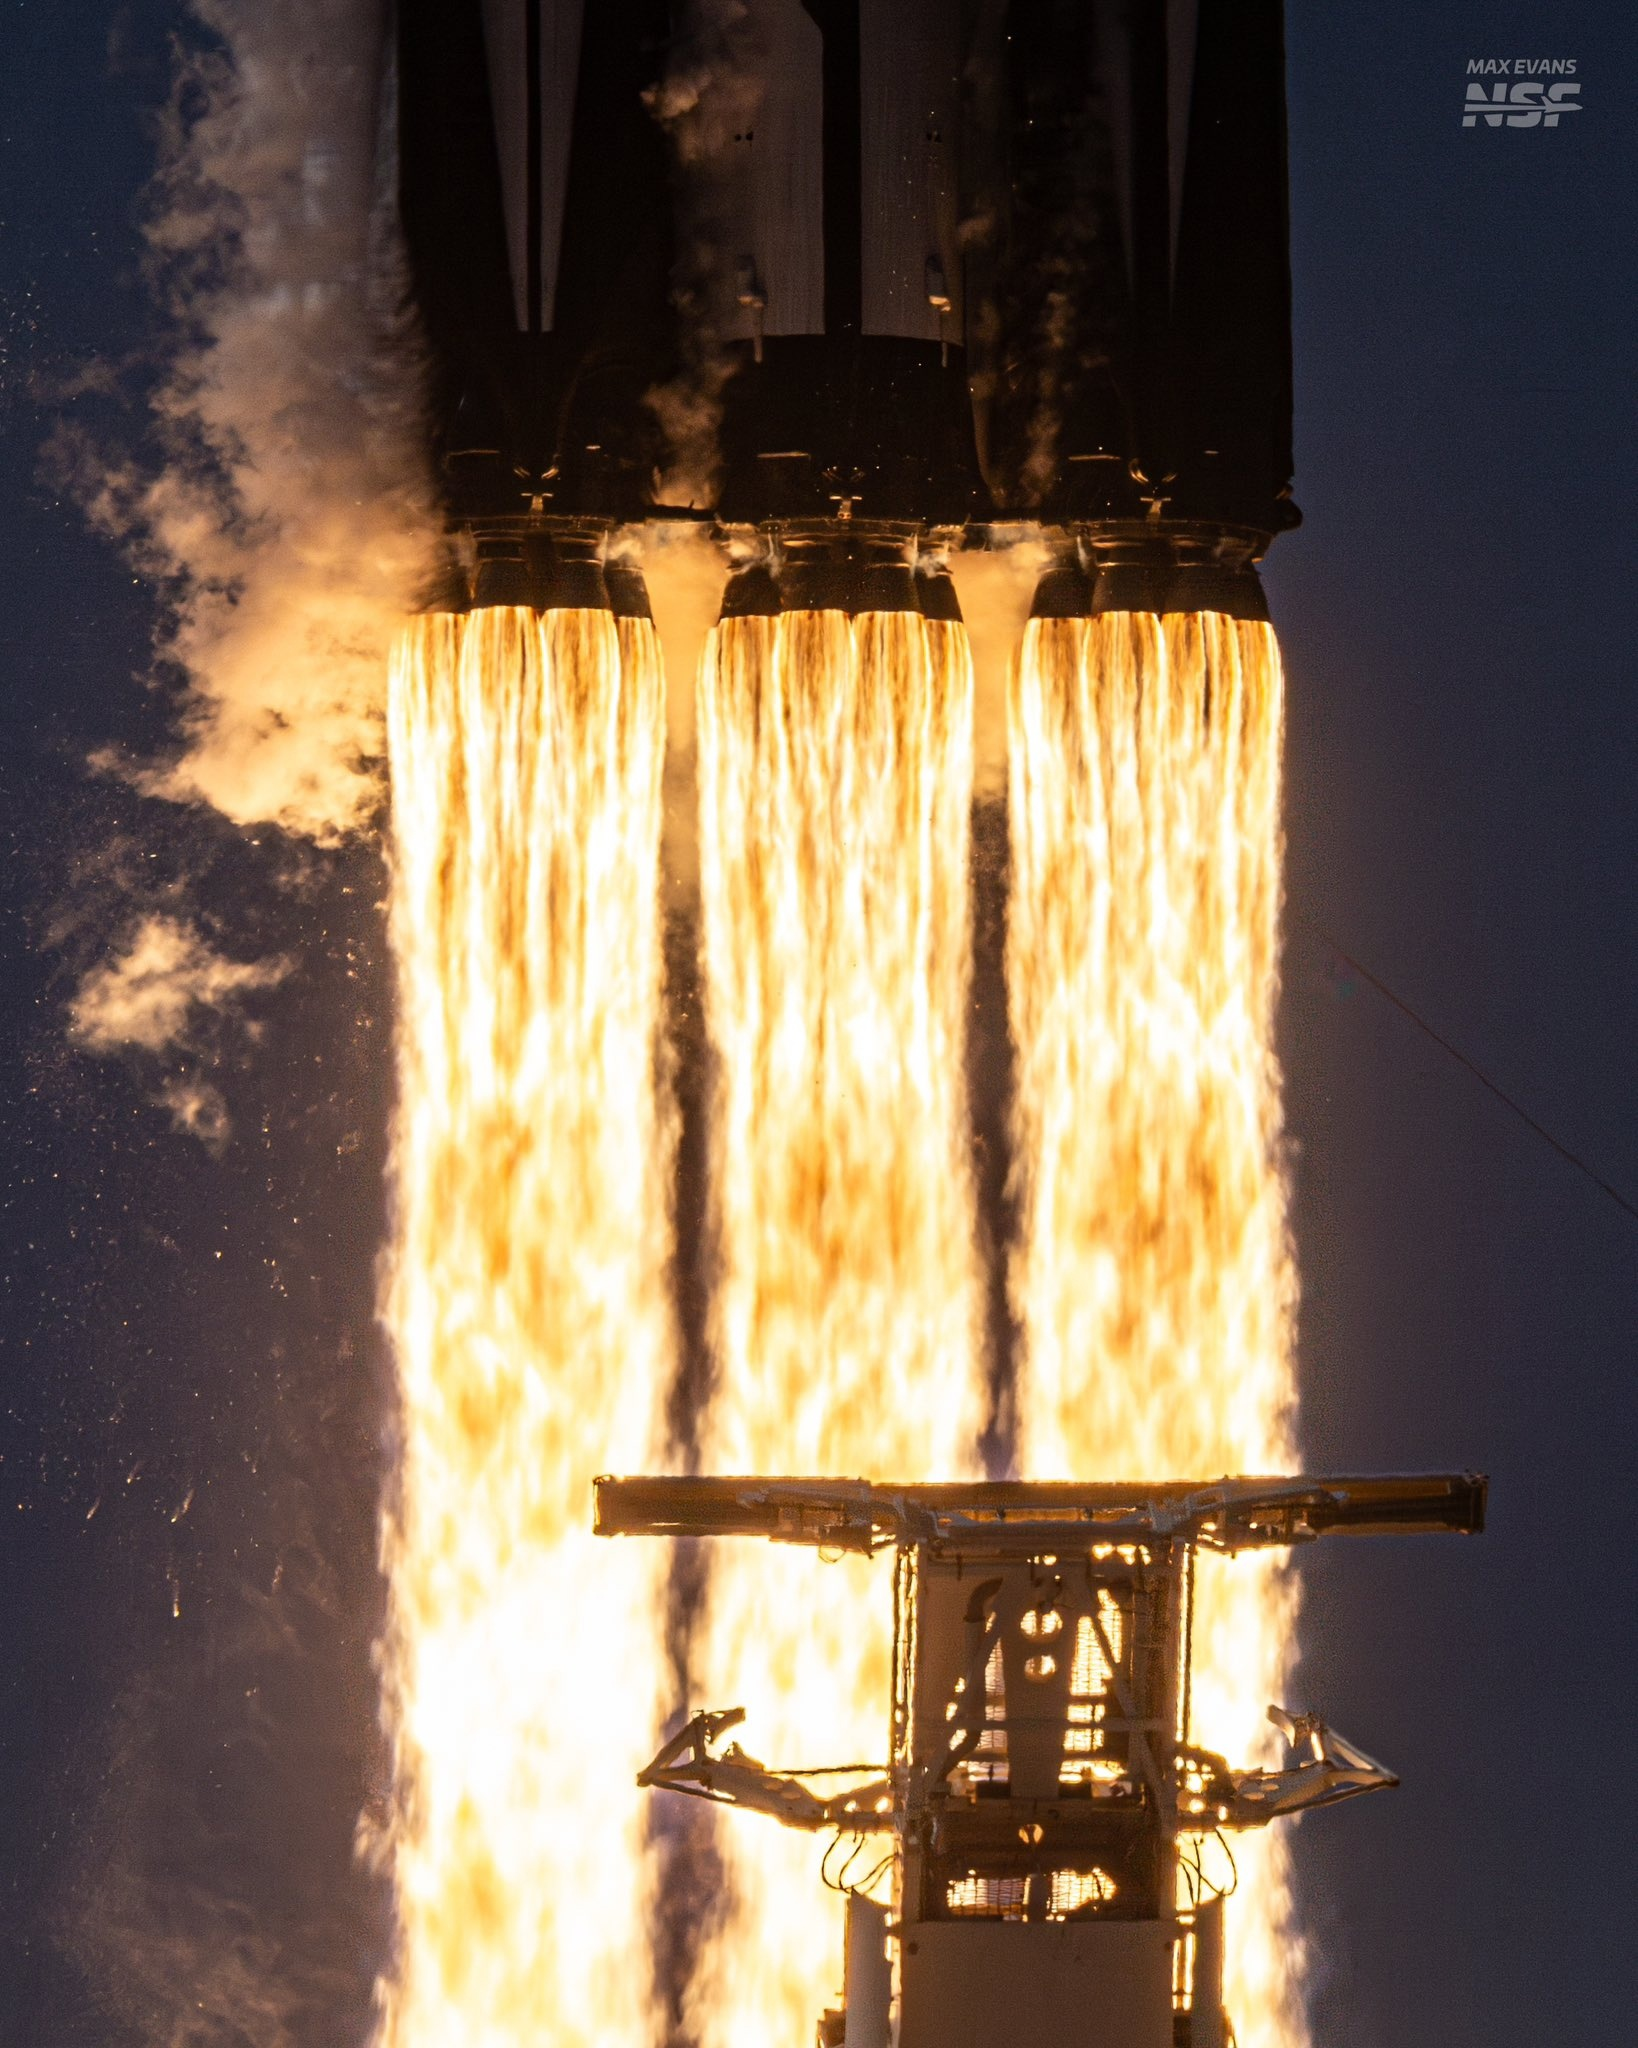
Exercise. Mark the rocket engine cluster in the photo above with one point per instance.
(918, 268)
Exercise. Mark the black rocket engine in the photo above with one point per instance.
(921, 266)
(1131, 249)
(537, 209)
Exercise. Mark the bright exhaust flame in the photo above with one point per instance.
(1153, 1279)
(835, 764)
(528, 1312)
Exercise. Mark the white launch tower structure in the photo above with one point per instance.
(1046, 1820)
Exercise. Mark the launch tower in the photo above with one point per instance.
(1047, 1822)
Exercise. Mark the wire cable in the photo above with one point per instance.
(1234, 1868)
(1398, 1001)
(863, 1886)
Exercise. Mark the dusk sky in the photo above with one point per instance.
(193, 1385)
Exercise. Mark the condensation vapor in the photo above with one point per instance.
(155, 997)
(284, 510)
(145, 995)
(684, 571)
(995, 585)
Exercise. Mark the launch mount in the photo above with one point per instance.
(1056, 1841)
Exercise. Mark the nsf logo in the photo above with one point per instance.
(1522, 96)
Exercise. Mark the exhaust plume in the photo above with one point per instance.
(533, 1339)
(1153, 1279)
(835, 785)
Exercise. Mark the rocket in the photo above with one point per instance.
(915, 270)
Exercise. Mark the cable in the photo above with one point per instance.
(1572, 1158)
(835, 1842)
(842, 1881)
(856, 1839)
(1234, 1868)
(862, 1886)
(825, 1770)
(1191, 1863)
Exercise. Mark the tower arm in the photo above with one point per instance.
(688, 1764)
(1334, 1769)
(1013, 1518)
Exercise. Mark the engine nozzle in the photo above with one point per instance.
(1153, 566)
(838, 565)
(555, 564)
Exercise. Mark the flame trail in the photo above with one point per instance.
(528, 1311)
(835, 763)
(1153, 1279)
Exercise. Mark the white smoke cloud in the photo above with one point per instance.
(289, 519)
(197, 1109)
(159, 994)
(685, 573)
(148, 996)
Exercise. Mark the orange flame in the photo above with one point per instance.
(835, 764)
(528, 1312)
(1153, 1278)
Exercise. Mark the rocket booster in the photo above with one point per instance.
(910, 268)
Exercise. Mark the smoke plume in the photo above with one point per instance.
(147, 995)
(995, 586)
(165, 991)
(282, 505)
